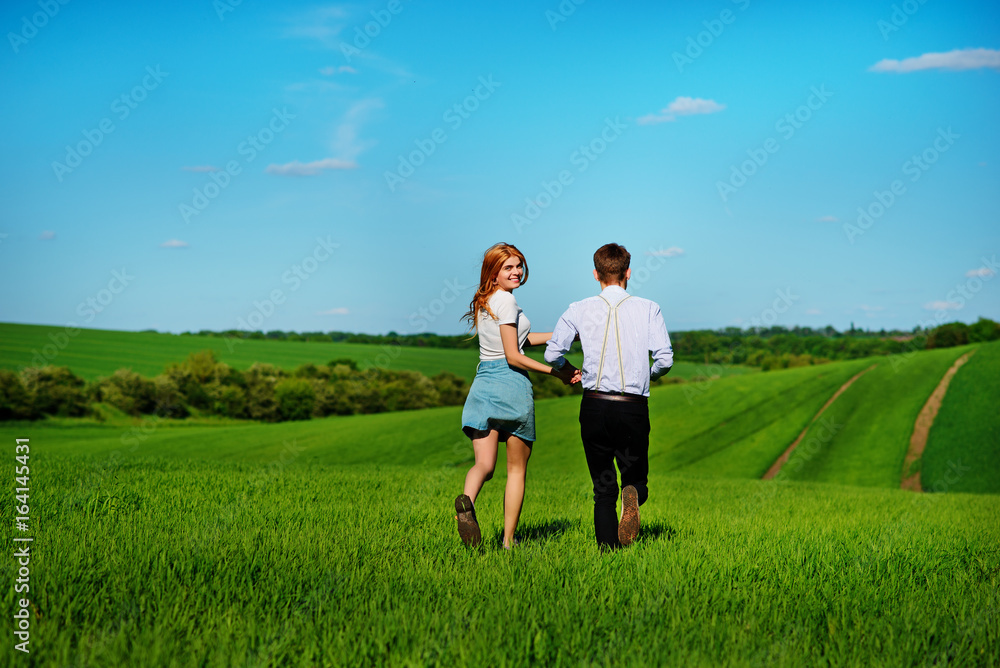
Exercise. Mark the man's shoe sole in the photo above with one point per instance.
(628, 527)
(468, 527)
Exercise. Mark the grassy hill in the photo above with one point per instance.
(734, 427)
(331, 542)
(867, 433)
(963, 449)
(92, 353)
(271, 544)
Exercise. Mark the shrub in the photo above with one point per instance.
(296, 399)
(984, 330)
(408, 390)
(452, 390)
(261, 380)
(15, 400)
(230, 401)
(332, 399)
(948, 335)
(127, 391)
(56, 391)
(168, 398)
(344, 361)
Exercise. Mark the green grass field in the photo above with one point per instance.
(965, 438)
(186, 552)
(739, 427)
(215, 542)
(92, 353)
(867, 432)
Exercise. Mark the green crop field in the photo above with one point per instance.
(275, 545)
(867, 433)
(738, 428)
(964, 442)
(216, 542)
(92, 353)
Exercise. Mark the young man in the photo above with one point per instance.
(618, 332)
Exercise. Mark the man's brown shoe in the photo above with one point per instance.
(628, 527)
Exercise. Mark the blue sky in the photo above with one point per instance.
(263, 163)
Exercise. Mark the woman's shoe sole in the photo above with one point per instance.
(628, 527)
(468, 527)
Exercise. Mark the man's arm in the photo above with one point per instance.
(659, 345)
(562, 338)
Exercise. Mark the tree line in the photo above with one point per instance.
(203, 386)
(779, 347)
(768, 348)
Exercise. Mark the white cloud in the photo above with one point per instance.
(982, 272)
(871, 309)
(959, 59)
(827, 219)
(813, 311)
(673, 251)
(942, 306)
(200, 168)
(174, 243)
(322, 24)
(47, 235)
(682, 106)
(296, 168)
(345, 144)
(335, 311)
(330, 70)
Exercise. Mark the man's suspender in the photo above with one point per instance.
(618, 339)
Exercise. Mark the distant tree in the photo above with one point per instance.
(345, 361)
(56, 391)
(15, 400)
(408, 390)
(230, 401)
(984, 330)
(168, 398)
(261, 380)
(948, 335)
(128, 391)
(452, 390)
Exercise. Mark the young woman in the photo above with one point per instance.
(500, 405)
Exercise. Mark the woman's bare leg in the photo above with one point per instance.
(518, 452)
(486, 460)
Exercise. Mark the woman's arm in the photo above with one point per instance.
(538, 338)
(508, 336)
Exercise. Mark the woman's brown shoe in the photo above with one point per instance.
(468, 527)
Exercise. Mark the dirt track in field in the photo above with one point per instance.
(922, 427)
(780, 461)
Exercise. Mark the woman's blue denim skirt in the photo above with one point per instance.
(500, 398)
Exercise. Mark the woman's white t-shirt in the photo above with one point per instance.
(507, 312)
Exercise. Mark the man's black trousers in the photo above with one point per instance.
(614, 431)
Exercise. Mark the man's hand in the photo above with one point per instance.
(568, 374)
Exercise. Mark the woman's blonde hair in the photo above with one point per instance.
(493, 260)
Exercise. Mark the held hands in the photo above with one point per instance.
(569, 374)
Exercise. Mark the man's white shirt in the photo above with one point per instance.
(618, 332)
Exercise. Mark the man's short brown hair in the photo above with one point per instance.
(611, 262)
